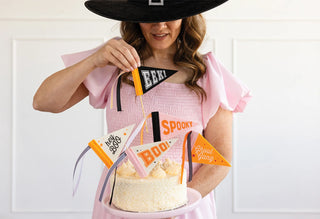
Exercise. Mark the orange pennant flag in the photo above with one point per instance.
(204, 152)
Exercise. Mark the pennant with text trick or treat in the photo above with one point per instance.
(204, 152)
(145, 157)
(109, 147)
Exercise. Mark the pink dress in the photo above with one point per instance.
(222, 89)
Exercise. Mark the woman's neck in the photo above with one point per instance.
(160, 55)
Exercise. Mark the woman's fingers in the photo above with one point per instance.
(123, 55)
(131, 53)
(119, 53)
(120, 60)
(115, 61)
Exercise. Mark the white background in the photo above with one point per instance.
(273, 46)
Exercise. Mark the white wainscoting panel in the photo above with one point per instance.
(266, 10)
(45, 146)
(276, 145)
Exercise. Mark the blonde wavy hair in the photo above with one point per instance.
(193, 30)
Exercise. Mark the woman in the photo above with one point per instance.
(202, 90)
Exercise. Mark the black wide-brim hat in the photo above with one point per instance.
(150, 11)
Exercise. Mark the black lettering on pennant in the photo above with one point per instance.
(113, 143)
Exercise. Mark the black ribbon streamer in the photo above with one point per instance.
(189, 156)
(113, 167)
(156, 126)
(114, 183)
(118, 94)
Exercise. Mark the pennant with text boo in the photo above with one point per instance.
(204, 152)
(109, 147)
(145, 157)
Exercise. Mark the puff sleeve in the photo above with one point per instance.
(98, 82)
(222, 89)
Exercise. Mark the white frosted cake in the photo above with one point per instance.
(160, 191)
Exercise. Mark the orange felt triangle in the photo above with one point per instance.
(204, 152)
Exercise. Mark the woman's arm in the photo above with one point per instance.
(64, 88)
(219, 134)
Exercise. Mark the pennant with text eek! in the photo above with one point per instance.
(204, 152)
(109, 147)
(146, 78)
(145, 157)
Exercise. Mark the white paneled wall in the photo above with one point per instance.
(273, 46)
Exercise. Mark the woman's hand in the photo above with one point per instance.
(119, 53)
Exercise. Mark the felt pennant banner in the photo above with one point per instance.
(146, 78)
(203, 152)
(145, 157)
(109, 147)
(166, 126)
(170, 127)
(199, 151)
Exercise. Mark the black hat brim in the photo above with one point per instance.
(129, 11)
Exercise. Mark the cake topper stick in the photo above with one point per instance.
(183, 155)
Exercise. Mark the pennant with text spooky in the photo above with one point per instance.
(166, 126)
(145, 157)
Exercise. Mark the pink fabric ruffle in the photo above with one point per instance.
(222, 89)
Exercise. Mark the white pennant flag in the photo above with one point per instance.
(145, 157)
(109, 147)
